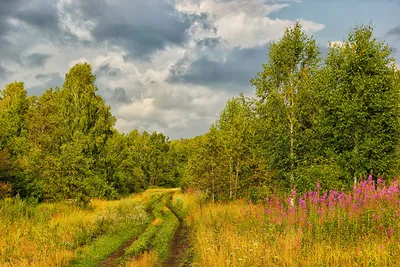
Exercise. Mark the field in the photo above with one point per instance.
(107, 233)
(164, 227)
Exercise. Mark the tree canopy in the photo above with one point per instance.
(312, 120)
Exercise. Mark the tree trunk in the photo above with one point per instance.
(231, 179)
(237, 178)
(291, 151)
(356, 153)
(213, 184)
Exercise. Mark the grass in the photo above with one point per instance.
(56, 234)
(359, 228)
(159, 233)
(147, 259)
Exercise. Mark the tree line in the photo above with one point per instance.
(330, 120)
(63, 145)
(313, 119)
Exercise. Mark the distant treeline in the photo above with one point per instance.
(330, 120)
(63, 145)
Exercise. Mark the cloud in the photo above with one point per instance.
(3, 72)
(107, 71)
(35, 60)
(42, 77)
(172, 110)
(246, 23)
(39, 13)
(119, 96)
(395, 31)
(6, 10)
(140, 27)
(231, 72)
(48, 80)
(165, 65)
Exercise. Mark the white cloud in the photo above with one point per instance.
(73, 21)
(175, 110)
(245, 22)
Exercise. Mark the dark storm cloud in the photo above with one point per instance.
(41, 14)
(240, 66)
(7, 9)
(106, 70)
(3, 72)
(394, 31)
(42, 77)
(53, 79)
(203, 21)
(119, 96)
(36, 60)
(208, 42)
(140, 27)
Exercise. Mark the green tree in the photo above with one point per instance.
(360, 105)
(236, 123)
(14, 105)
(208, 165)
(284, 93)
(68, 130)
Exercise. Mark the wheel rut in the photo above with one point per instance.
(180, 250)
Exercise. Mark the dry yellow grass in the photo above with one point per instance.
(223, 239)
(147, 259)
(46, 235)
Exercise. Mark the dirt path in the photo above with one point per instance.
(180, 250)
(112, 260)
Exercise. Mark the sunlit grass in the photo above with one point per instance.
(305, 234)
(51, 234)
(147, 259)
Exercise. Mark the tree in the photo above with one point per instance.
(360, 105)
(282, 88)
(14, 105)
(68, 130)
(236, 125)
(208, 165)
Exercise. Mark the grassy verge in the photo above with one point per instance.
(54, 234)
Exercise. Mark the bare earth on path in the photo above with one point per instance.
(180, 250)
(112, 260)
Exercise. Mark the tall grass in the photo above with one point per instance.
(52, 234)
(159, 233)
(332, 228)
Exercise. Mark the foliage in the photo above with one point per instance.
(330, 121)
(63, 145)
(359, 119)
(286, 105)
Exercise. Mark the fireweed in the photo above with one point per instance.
(370, 208)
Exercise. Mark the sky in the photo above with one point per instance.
(165, 65)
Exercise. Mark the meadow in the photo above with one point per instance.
(64, 234)
(331, 228)
(317, 228)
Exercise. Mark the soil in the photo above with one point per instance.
(112, 260)
(180, 249)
